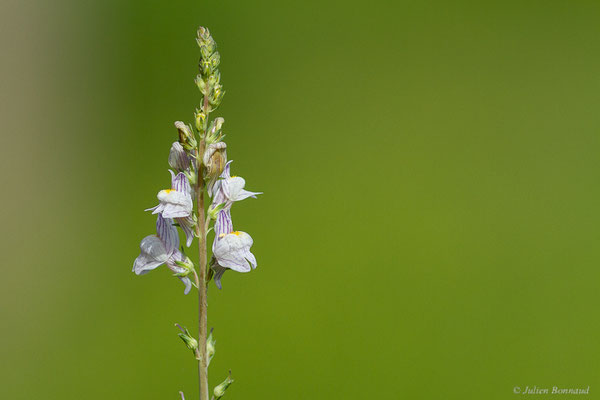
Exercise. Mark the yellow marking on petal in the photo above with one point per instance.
(236, 233)
(169, 190)
(222, 235)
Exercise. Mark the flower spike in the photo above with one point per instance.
(199, 167)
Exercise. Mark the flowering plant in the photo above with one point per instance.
(199, 163)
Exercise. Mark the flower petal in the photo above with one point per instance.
(232, 186)
(233, 189)
(153, 254)
(251, 259)
(231, 251)
(223, 223)
(167, 232)
(244, 194)
(211, 149)
(176, 211)
(178, 157)
(142, 265)
(174, 204)
(180, 183)
(187, 282)
(226, 173)
(172, 264)
(215, 187)
(219, 271)
(153, 209)
(187, 226)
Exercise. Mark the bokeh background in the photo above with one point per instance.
(429, 227)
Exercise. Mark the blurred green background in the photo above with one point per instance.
(429, 227)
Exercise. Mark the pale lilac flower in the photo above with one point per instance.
(177, 201)
(154, 254)
(232, 251)
(179, 159)
(160, 249)
(225, 191)
(228, 189)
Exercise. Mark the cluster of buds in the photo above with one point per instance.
(208, 79)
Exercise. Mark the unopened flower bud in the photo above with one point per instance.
(214, 210)
(215, 158)
(220, 390)
(203, 33)
(189, 341)
(205, 42)
(214, 79)
(210, 346)
(201, 83)
(186, 267)
(192, 176)
(178, 157)
(186, 136)
(214, 60)
(204, 65)
(200, 117)
(214, 130)
(216, 96)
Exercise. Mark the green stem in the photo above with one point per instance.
(202, 287)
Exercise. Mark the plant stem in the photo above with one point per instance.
(202, 303)
(202, 260)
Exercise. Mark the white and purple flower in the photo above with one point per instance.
(225, 191)
(160, 249)
(232, 251)
(228, 189)
(179, 159)
(177, 203)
